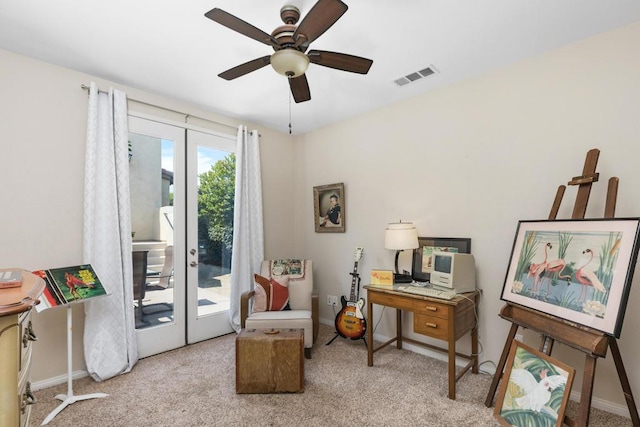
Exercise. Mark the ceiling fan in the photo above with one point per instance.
(290, 42)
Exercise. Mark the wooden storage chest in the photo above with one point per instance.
(270, 361)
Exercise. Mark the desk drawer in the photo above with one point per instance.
(26, 400)
(27, 336)
(432, 326)
(395, 301)
(431, 308)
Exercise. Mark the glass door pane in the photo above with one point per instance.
(156, 170)
(211, 172)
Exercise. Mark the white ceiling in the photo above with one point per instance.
(170, 48)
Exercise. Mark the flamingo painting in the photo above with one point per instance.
(536, 270)
(588, 278)
(553, 267)
(545, 270)
(579, 271)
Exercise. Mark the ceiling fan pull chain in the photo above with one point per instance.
(289, 113)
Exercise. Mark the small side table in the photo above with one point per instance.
(270, 361)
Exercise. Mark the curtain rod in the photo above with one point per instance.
(186, 115)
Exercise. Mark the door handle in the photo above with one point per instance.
(193, 263)
(192, 251)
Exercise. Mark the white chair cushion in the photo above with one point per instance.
(285, 319)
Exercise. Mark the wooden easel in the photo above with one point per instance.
(589, 341)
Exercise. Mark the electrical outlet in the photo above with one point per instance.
(332, 300)
(520, 337)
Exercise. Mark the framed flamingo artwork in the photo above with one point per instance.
(577, 270)
(534, 390)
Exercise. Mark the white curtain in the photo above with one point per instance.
(110, 346)
(248, 234)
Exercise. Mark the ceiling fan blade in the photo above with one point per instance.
(320, 18)
(242, 27)
(300, 88)
(340, 61)
(246, 68)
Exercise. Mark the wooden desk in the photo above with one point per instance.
(446, 320)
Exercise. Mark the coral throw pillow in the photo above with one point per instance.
(271, 294)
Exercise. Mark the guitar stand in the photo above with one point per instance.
(338, 335)
(333, 339)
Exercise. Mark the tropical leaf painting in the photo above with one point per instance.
(535, 389)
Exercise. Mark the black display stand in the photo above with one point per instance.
(589, 341)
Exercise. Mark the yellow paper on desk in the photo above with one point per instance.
(382, 277)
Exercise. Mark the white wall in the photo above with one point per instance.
(43, 132)
(471, 160)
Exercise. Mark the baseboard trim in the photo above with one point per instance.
(605, 405)
(51, 382)
(597, 403)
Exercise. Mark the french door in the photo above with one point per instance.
(210, 195)
(184, 298)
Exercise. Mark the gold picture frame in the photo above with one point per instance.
(329, 208)
(534, 389)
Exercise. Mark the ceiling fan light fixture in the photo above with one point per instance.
(289, 62)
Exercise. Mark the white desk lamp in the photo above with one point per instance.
(400, 236)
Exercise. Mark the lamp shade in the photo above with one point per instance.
(289, 62)
(400, 236)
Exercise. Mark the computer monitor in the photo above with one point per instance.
(453, 270)
(422, 259)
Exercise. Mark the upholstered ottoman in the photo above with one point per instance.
(270, 361)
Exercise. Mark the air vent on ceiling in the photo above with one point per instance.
(409, 78)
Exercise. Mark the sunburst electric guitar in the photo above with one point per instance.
(350, 322)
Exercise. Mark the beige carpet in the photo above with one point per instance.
(195, 386)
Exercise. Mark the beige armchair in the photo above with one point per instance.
(303, 300)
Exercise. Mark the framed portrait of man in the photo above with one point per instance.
(328, 206)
